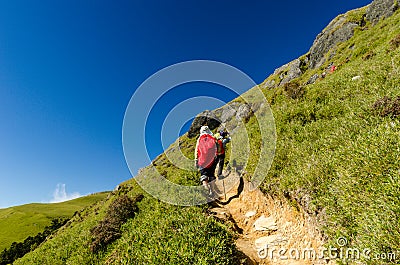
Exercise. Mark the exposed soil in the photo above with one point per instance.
(286, 228)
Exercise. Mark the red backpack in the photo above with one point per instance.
(220, 147)
(206, 151)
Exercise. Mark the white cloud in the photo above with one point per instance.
(60, 194)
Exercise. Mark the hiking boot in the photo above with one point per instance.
(203, 178)
(213, 195)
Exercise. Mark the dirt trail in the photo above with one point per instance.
(265, 226)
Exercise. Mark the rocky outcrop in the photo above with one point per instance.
(381, 9)
(244, 112)
(227, 112)
(281, 69)
(293, 72)
(270, 84)
(229, 116)
(312, 79)
(205, 118)
(286, 73)
(339, 30)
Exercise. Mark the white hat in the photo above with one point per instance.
(205, 130)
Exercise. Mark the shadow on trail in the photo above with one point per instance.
(236, 196)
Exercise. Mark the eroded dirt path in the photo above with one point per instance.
(267, 227)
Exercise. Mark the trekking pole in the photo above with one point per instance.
(223, 185)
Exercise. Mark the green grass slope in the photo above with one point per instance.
(337, 157)
(159, 234)
(19, 222)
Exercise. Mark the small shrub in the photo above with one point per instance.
(121, 209)
(104, 233)
(294, 90)
(395, 42)
(108, 230)
(387, 107)
(368, 55)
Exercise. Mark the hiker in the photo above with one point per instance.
(205, 154)
(222, 139)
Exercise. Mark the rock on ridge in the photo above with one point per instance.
(229, 116)
(293, 71)
(381, 9)
(339, 30)
(204, 118)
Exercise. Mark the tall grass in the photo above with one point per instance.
(335, 155)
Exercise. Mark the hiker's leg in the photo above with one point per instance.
(221, 160)
(211, 180)
(204, 179)
(211, 171)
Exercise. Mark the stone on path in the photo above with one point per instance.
(250, 214)
(265, 223)
(264, 241)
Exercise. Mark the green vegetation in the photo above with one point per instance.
(338, 146)
(166, 234)
(18, 250)
(17, 223)
(395, 42)
(158, 234)
(109, 229)
(357, 16)
(293, 90)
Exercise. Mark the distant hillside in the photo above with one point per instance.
(19, 222)
(337, 161)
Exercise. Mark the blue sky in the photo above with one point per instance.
(69, 68)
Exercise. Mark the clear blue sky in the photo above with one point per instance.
(68, 69)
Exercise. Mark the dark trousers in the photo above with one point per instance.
(209, 172)
(220, 161)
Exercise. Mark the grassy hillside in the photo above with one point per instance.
(159, 234)
(338, 150)
(337, 157)
(17, 223)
